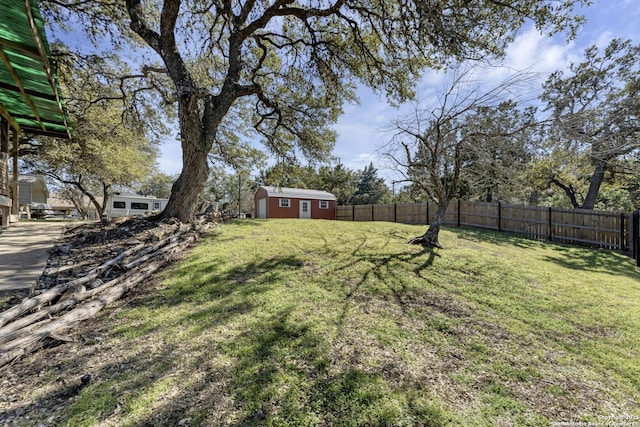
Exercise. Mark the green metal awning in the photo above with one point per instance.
(29, 93)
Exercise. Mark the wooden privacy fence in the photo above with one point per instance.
(617, 231)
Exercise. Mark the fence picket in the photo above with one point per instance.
(618, 231)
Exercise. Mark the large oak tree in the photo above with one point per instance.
(284, 67)
(596, 117)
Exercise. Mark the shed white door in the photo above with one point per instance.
(262, 208)
(305, 208)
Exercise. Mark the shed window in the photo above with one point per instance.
(119, 205)
(324, 204)
(285, 203)
(156, 205)
(139, 206)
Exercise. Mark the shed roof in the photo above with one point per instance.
(298, 193)
(29, 93)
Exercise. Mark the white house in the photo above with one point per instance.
(128, 204)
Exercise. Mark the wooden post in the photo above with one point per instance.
(635, 238)
(353, 212)
(4, 136)
(395, 212)
(499, 216)
(458, 212)
(15, 200)
(372, 214)
(550, 237)
(427, 221)
(623, 247)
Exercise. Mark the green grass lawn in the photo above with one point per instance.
(302, 323)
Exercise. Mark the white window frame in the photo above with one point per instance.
(325, 202)
(285, 203)
(139, 206)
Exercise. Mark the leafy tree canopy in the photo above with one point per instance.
(498, 152)
(596, 115)
(157, 184)
(370, 188)
(283, 69)
(110, 146)
(227, 188)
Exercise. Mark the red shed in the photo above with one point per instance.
(281, 202)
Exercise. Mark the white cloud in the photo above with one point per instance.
(535, 52)
(604, 39)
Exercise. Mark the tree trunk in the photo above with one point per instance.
(568, 190)
(594, 184)
(430, 238)
(195, 168)
(189, 185)
(489, 195)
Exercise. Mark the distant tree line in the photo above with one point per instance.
(580, 148)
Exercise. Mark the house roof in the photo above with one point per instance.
(298, 193)
(29, 92)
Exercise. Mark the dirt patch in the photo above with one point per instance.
(40, 385)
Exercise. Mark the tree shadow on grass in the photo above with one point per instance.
(282, 376)
(379, 268)
(278, 373)
(193, 281)
(567, 256)
(275, 370)
(84, 394)
(594, 260)
(226, 293)
(497, 238)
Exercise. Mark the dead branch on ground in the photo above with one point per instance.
(56, 312)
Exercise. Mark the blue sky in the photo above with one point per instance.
(361, 129)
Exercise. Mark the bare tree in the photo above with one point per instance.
(284, 68)
(434, 147)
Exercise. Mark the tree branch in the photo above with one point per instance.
(569, 191)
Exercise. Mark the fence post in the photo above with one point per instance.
(623, 247)
(635, 238)
(353, 213)
(550, 237)
(499, 216)
(372, 214)
(458, 212)
(395, 212)
(427, 221)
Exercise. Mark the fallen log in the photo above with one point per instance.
(53, 293)
(24, 345)
(68, 303)
(145, 258)
(154, 248)
(23, 336)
